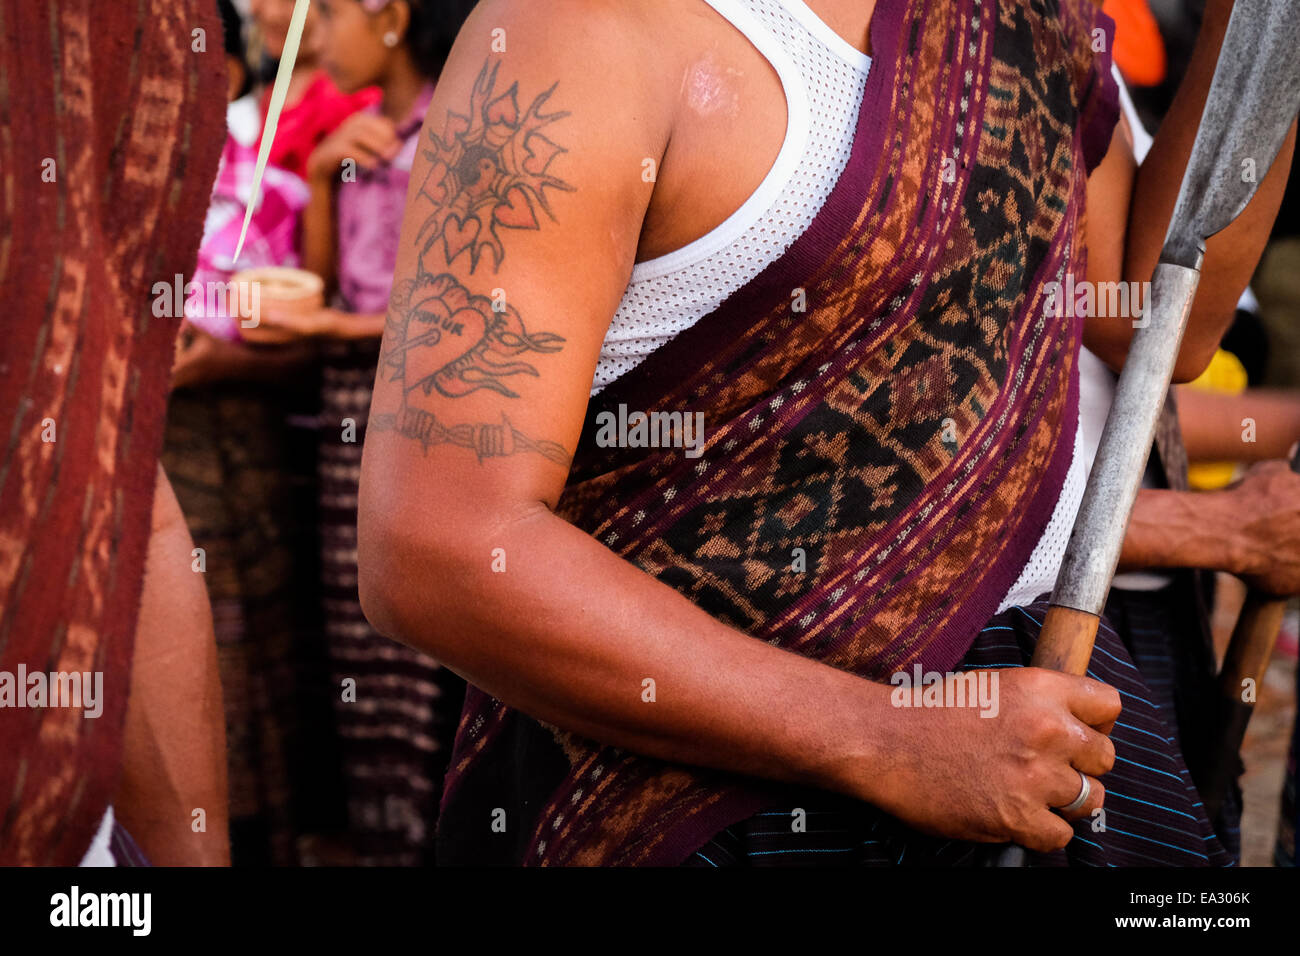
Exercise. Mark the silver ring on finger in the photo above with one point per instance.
(1085, 792)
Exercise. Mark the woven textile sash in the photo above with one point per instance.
(112, 101)
(889, 416)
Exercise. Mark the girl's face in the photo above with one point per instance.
(353, 51)
(273, 16)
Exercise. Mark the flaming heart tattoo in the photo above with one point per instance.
(489, 172)
(452, 341)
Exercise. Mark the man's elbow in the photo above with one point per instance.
(1193, 359)
(379, 599)
(422, 579)
(1212, 316)
(378, 586)
(397, 566)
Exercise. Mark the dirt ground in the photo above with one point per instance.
(1268, 739)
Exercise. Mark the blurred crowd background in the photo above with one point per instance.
(337, 737)
(1259, 355)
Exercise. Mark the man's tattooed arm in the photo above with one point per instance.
(441, 337)
(442, 341)
(488, 173)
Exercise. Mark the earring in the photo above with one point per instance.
(390, 39)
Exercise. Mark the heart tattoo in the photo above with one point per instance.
(441, 336)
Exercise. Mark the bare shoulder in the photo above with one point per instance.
(642, 20)
(612, 66)
(625, 46)
(588, 89)
(521, 229)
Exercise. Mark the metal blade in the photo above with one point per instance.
(1253, 98)
(1252, 101)
(1092, 553)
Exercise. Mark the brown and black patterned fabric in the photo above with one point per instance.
(396, 724)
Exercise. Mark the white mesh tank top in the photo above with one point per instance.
(824, 78)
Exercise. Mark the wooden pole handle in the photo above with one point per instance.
(1246, 659)
(1252, 643)
(1066, 640)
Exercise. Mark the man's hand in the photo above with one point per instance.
(279, 324)
(1266, 533)
(994, 779)
(1250, 529)
(195, 351)
(365, 139)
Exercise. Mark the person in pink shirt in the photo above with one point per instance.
(395, 708)
(315, 106)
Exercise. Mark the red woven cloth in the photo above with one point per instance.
(111, 124)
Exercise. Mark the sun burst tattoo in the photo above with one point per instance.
(489, 172)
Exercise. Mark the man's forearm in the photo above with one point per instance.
(1257, 425)
(237, 362)
(1250, 529)
(1183, 529)
(174, 753)
(354, 325)
(577, 637)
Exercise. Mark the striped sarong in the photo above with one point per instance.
(1153, 814)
